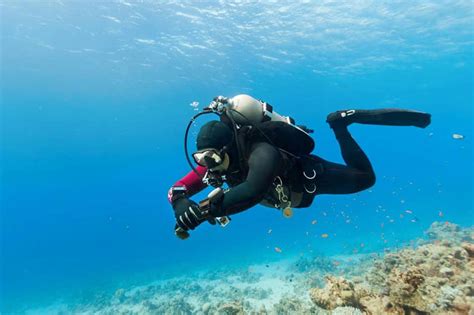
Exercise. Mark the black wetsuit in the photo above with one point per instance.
(265, 162)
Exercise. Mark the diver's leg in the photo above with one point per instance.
(341, 179)
(385, 116)
(358, 174)
(355, 176)
(351, 152)
(338, 179)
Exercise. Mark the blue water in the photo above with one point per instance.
(96, 98)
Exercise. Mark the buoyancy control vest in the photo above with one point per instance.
(285, 136)
(293, 142)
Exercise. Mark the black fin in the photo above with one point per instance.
(385, 117)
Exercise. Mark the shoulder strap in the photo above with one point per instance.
(242, 141)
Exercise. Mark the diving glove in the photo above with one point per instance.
(188, 214)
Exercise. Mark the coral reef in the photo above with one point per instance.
(449, 232)
(338, 292)
(231, 308)
(436, 277)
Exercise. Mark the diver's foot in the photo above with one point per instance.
(341, 118)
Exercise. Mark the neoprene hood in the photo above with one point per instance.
(214, 134)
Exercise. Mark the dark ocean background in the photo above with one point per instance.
(96, 97)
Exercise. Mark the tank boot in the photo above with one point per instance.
(384, 117)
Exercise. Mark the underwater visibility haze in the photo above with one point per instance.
(95, 100)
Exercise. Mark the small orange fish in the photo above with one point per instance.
(278, 249)
(324, 235)
(287, 212)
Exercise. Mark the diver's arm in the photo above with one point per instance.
(264, 164)
(187, 186)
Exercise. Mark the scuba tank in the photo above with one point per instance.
(254, 110)
(269, 125)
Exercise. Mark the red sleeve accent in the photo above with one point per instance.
(191, 182)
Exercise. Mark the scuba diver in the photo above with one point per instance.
(263, 157)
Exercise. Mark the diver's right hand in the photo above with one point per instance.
(188, 214)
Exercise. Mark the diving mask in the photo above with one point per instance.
(209, 158)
